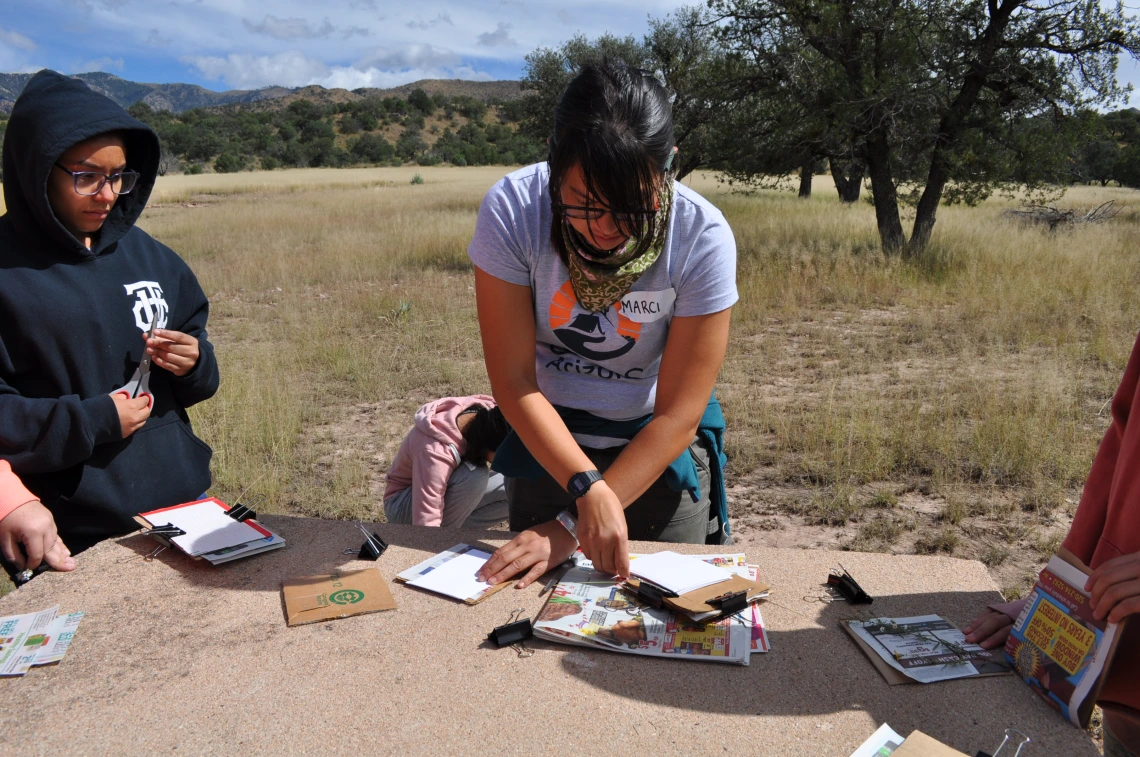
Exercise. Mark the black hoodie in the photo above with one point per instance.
(70, 326)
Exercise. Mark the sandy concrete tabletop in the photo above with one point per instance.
(175, 655)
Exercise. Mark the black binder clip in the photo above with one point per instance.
(169, 531)
(241, 513)
(654, 596)
(848, 587)
(730, 603)
(513, 633)
(373, 545)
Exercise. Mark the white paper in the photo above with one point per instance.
(208, 528)
(882, 742)
(456, 577)
(678, 573)
(60, 634)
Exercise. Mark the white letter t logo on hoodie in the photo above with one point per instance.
(150, 307)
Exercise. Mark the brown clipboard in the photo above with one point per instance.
(918, 744)
(696, 602)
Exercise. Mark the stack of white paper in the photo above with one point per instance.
(677, 573)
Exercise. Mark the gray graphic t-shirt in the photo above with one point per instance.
(604, 363)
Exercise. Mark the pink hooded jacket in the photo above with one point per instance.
(429, 454)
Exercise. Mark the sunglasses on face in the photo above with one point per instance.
(621, 217)
(89, 183)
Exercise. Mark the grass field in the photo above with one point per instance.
(951, 404)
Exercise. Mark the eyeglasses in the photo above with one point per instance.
(89, 183)
(621, 217)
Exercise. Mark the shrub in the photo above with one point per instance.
(417, 179)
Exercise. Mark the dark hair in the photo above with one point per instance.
(616, 122)
(484, 433)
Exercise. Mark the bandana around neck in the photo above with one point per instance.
(602, 278)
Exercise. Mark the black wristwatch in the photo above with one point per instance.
(580, 483)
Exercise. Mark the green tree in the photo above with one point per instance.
(945, 100)
(421, 101)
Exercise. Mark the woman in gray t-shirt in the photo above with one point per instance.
(605, 291)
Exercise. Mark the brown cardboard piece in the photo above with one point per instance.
(893, 677)
(696, 602)
(918, 744)
(311, 599)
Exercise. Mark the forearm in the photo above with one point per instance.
(647, 456)
(542, 430)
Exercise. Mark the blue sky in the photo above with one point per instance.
(238, 44)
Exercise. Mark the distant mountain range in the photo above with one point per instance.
(181, 97)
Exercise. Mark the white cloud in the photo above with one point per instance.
(384, 68)
(442, 18)
(409, 56)
(289, 28)
(101, 64)
(16, 40)
(501, 37)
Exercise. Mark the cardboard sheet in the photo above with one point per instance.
(918, 744)
(311, 599)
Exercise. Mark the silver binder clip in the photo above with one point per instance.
(1013, 738)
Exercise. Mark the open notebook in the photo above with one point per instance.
(210, 532)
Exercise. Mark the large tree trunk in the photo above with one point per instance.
(805, 177)
(886, 197)
(848, 187)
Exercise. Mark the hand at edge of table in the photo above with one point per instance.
(989, 630)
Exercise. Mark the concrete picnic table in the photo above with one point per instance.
(176, 655)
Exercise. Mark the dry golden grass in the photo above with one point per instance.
(952, 403)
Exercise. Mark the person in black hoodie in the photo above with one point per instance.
(80, 287)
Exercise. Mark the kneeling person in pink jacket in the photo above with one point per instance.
(440, 475)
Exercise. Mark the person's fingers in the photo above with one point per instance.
(1105, 567)
(986, 626)
(1123, 609)
(11, 551)
(34, 546)
(621, 558)
(1114, 595)
(175, 336)
(514, 567)
(532, 575)
(58, 557)
(997, 639)
(1122, 572)
(500, 558)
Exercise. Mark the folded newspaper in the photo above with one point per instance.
(590, 609)
(38, 638)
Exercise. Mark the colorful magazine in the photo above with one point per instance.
(1056, 644)
(589, 608)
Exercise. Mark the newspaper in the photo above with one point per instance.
(927, 648)
(38, 638)
(589, 608)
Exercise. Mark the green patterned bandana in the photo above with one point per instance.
(602, 278)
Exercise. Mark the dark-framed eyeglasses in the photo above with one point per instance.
(621, 217)
(89, 183)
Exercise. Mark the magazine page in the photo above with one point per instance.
(21, 637)
(591, 609)
(1056, 645)
(927, 648)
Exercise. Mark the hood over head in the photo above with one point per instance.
(53, 113)
(437, 419)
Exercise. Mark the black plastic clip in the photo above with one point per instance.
(241, 513)
(169, 531)
(373, 545)
(730, 603)
(513, 633)
(654, 596)
(846, 585)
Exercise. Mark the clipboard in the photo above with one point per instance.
(698, 602)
